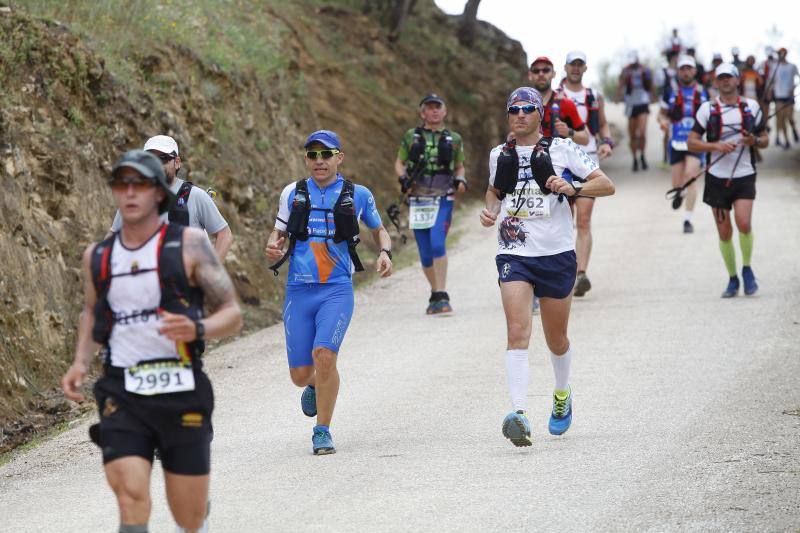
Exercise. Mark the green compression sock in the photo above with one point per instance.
(729, 256)
(746, 242)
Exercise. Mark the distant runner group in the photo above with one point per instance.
(156, 288)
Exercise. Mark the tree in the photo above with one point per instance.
(468, 25)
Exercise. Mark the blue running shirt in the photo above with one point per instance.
(319, 259)
(681, 129)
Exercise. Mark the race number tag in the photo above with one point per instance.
(680, 146)
(422, 212)
(166, 377)
(531, 203)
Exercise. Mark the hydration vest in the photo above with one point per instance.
(676, 111)
(507, 173)
(647, 81)
(179, 213)
(417, 162)
(592, 112)
(714, 124)
(177, 296)
(345, 222)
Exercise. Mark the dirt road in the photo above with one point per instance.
(687, 408)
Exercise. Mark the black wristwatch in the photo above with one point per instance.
(200, 330)
(571, 133)
(388, 253)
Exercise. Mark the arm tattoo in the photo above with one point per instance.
(209, 273)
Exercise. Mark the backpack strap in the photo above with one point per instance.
(300, 188)
(179, 213)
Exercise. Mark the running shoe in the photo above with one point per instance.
(749, 279)
(732, 289)
(561, 417)
(308, 401)
(687, 227)
(431, 308)
(582, 284)
(644, 163)
(535, 305)
(794, 134)
(635, 165)
(517, 429)
(322, 441)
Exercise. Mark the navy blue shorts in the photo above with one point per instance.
(552, 276)
(676, 156)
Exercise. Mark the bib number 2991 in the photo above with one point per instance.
(159, 378)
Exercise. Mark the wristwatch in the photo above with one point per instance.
(200, 330)
(571, 133)
(388, 253)
(577, 185)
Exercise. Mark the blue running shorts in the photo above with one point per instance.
(552, 276)
(315, 315)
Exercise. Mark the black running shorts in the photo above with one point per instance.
(721, 193)
(639, 109)
(178, 424)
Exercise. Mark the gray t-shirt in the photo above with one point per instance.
(203, 212)
(785, 75)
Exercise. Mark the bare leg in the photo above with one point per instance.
(327, 387)
(440, 273)
(430, 275)
(555, 319)
(583, 242)
(691, 169)
(517, 301)
(302, 375)
(187, 497)
(129, 478)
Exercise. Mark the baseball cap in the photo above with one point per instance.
(526, 94)
(163, 143)
(542, 59)
(576, 55)
(150, 167)
(687, 61)
(326, 137)
(432, 97)
(726, 69)
(716, 55)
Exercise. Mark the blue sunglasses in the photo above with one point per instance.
(527, 109)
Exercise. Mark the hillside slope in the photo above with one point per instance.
(239, 84)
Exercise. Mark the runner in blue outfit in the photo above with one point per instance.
(316, 229)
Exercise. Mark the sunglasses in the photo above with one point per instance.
(527, 109)
(545, 70)
(139, 184)
(165, 158)
(324, 154)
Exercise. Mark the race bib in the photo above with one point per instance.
(680, 133)
(165, 377)
(530, 203)
(422, 212)
(680, 146)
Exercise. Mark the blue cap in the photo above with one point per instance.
(526, 94)
(326, 137)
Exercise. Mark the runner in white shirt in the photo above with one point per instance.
(782, 91)
(536, 248)
(591, 108)
(732, 126)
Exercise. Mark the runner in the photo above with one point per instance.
(782, 93)
(561, 117)
(144, 293)
(767, 71)
(636, 82)
(676, 118)
(751, 85)
(701, 71)
(591, 108)
(528, 179)
(317, 231)
(708, 81)
(667, 82)
(193, 207)
(732, 126)
(737, 61)
(430, 166)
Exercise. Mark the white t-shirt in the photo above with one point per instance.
(785, 75)
(726, 166)
(542, 225)
(203, 212)
(579, 98)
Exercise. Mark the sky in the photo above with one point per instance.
(595, 28)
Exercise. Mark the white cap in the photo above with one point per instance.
(163, 143)
(726, 68)
(716, 55)
(687, 61)
(576, 55)
(735, 50)
(633, 56)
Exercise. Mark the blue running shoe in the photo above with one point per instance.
(442, 306)
(517, 429)
(561, 417)
(322, 441)
(733, 288)
(308, 401)
(749, 279)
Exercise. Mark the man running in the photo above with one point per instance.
(732, 126)
(667, 81)
(782, 93)
(676, 119)
(193, 206)
(144, 293)
(561, 117)
(636, 83)
(591, 108)
(528, 179)
(430, 168)
(317, 231)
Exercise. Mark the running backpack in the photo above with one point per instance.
(179, 213)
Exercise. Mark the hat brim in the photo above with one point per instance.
(429, 100)
(141, 169)
(323, 142)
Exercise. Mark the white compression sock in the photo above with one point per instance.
(561, 368)
(518, 373)
(687, 215)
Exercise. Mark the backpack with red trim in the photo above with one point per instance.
(676, 109)
(714, 124)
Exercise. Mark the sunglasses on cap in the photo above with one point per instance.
(139, 183)
(543, 70)
(527, 109)
(324, 154)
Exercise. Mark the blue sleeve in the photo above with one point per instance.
(368, 211)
